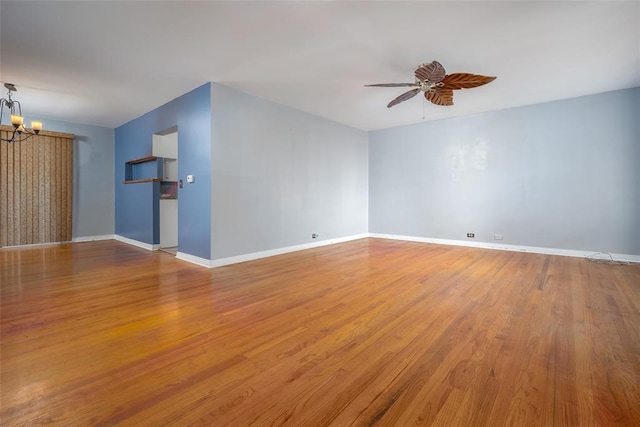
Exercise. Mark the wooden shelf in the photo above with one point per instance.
(141, 160)
(136, 181)
(135, 172)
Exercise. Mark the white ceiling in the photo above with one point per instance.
(105, 63)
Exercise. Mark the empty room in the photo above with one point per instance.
(320, 213)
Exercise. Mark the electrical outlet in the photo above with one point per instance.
(314, 236)
(471, 235)
(497, 236)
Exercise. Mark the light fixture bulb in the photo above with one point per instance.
(16, 120)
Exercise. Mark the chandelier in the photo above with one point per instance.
(20, 133)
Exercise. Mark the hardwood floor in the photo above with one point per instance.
(361, 333)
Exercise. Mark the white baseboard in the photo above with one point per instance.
(506, 247)
(137, 243)
(92, 238)
(279, 251)
(203, 262)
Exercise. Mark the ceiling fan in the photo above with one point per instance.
(437, 86)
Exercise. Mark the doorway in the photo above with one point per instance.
(165, 145)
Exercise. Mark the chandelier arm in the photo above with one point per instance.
(10, 140)
(29, 135)
(13, 108)
(21, 136)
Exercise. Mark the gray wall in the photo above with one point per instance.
(279, 175)
(562, 175)
(93, 191)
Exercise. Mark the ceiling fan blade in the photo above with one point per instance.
(407, 95)
(433, 72)
(394, 85)
(465, 81)
(442, 97)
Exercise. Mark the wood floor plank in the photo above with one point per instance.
(369, 332)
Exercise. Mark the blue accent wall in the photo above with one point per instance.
(137, 205)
